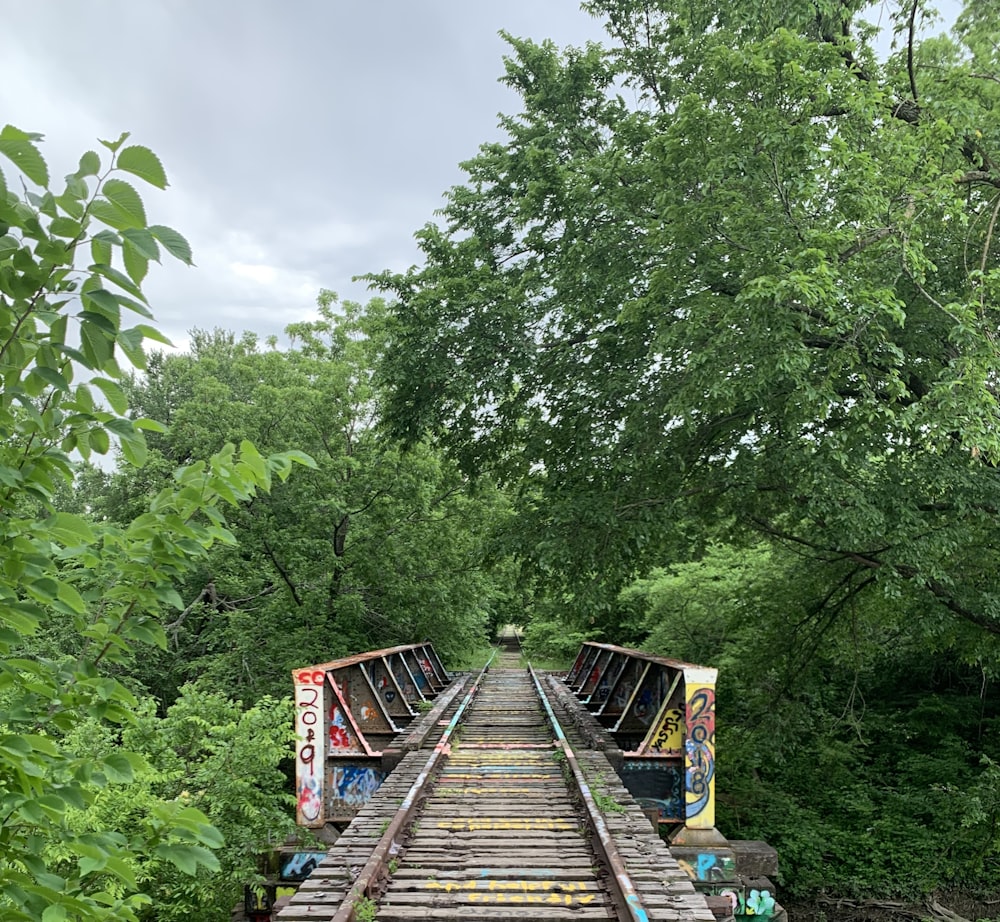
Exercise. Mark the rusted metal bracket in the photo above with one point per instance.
(346, 713)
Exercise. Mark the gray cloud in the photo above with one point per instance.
(305, 142)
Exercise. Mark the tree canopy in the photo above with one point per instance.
(734, 269)
(371, 547)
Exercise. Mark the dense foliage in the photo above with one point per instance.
(101, 586)
(869, 759)
(719, 316)
(369, 548)
(729, 286)
(759, 294)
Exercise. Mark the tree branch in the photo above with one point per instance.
(286, 579)
(981, 176)
(909, 51)
(872, 237)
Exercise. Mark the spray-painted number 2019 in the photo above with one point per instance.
(308, 708)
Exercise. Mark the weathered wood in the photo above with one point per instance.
(500, 836)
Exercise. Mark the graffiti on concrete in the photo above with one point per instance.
(758, 904)
(708, 866)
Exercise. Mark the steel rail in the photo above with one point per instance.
(624, 892)
(386, 849)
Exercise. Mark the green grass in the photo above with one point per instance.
(471, 660)
(546, 664)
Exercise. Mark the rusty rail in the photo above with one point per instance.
(624, 892)
(377, 866)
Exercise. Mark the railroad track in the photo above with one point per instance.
(499, 824)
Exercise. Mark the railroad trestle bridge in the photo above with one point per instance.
(511, 794)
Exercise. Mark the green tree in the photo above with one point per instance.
(732, 275)
(862, 753)
(63, 339)
(209, 753)
(372, 547)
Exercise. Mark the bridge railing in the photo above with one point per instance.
(661, 713)
(346, 711)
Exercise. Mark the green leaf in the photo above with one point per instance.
(122, 281)
(52, 377)
(107, 213)
(114, 145)
(76, 192)
(118, 768)
(120, 868)
(68, 595)
(114, 395)
(142, 162)
(175, 244)
(136, 265)
(104, 303)
(100, 250)
(17, 147)
(143, 241)
(91, 865)
(99, 441)
(65, 227)
(69, 530)
(130, 342)
(96, 343)
(90, 164)
(150, 425)
(126, 200)
(152, 333)
(134, 450)
(151, 633)
(186, 858)
(169, 596)
(23, 618)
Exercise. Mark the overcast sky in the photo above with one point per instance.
(305, 141)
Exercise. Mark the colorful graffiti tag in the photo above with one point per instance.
(670, 733)
(340, 737)
(355, 785)
(757, 903)
(300, 865)
(708, 866)
(310, 801)
(385, 689)
(700, 757)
